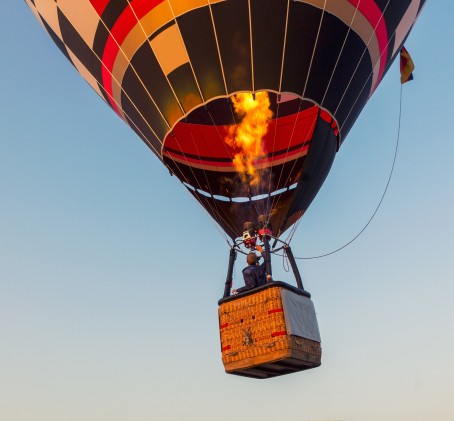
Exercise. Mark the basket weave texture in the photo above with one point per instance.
(253, 331)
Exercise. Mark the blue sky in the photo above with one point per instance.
(110, 273)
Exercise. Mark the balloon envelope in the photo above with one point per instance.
(169, 69)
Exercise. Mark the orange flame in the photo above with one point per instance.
(246, 136)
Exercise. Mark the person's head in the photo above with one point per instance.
(251, 259)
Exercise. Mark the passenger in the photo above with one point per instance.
(254, 274)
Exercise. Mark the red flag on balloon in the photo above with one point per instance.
(406, 66)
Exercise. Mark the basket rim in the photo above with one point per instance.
(271, 284)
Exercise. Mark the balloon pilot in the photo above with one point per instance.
(255, 274)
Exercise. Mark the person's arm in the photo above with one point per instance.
(249, 280)
(243, 289)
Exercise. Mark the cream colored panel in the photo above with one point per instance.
(82, 16)
(85, 73)
(169, 49)
(148, 25)
(33, 9)
(48, 10)
(405, 24)
(135, 39)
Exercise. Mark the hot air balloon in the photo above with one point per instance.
(198, 79)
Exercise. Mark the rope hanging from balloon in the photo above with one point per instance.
(380, 201)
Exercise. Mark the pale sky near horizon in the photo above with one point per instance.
(110, 273)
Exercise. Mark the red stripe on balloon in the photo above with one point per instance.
(228, 165)
(292, 130)
(125, 23)
(374, 15)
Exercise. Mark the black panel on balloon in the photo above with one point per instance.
(76, 44)
(217, 112)
(136, 102)
(268, 30)
(100, 40)
(144, 133)
(327, 49)
(397, 8)
(185, 87)
(112, 12)
(352, 78)
(223, 213)
(281, 203)
(287, 174)
(231, 20)
(141, 114)
(229, 184)
(301, 35)
(289, 107)
(352, 113)
(393, 13)
(196, 28)
(152, 82)
(391, 20)
(318, 162)
(56, 39)
(421, 5)
(220, 112)
(357, 95)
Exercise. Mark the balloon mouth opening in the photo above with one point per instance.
(197, 152)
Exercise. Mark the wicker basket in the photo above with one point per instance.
(254, 337)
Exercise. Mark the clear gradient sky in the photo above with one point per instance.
(110, 273)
